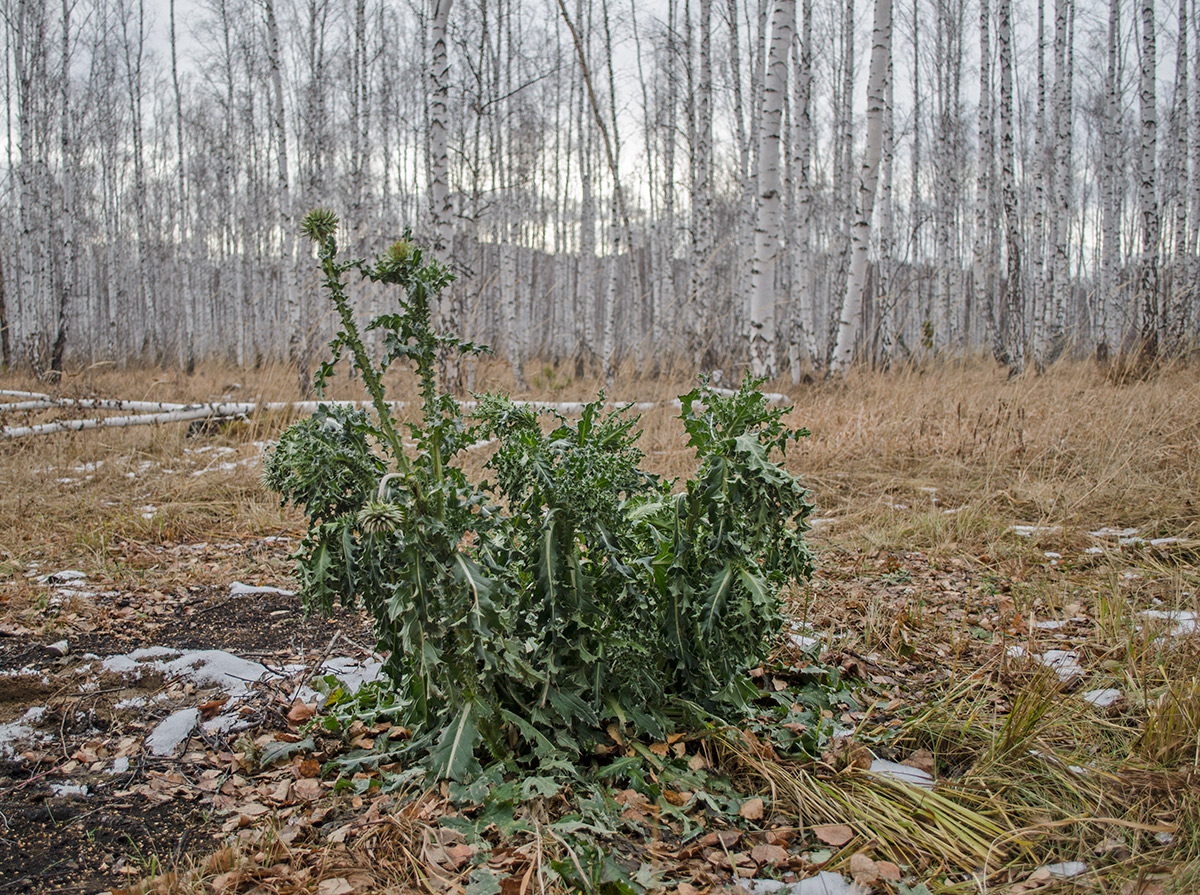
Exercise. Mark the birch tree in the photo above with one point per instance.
(761, 316)
(1013, 351)
(1147, 187)
(868, 178)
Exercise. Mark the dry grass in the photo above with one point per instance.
(917, 476)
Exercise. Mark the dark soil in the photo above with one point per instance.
(140, 814)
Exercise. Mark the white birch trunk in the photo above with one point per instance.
(761, 316)
(440, 208)
(848, 319)
(1147, 195)
(1014, 316)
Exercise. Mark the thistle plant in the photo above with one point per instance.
(527, 614)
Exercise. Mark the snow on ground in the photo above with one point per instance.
(170, 733)
(902, 772)
(21, 731)
(824, 883)
(238, 589)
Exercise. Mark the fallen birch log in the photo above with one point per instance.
(182, 415)
(93, 404)
(149, 413)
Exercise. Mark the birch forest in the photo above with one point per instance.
(788, 186)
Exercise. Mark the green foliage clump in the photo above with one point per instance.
(574, 591)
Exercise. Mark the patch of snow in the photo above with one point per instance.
(1108, 532)
(1131, 576)
(218, 668)
(1183, 621)
(898, 506)
(1066, 869)
(1064, 663)
(1050, 624)
(1050, 554)
(953, 510)
(237, 589)
(1162, 542)
(133, 702)
(824, 883)
(352, 672)
(804, 641)
(120, 765)
(1094, 551)
(20, 730)
(59, 647)
(1015, 651)
(1102, 698)
(61, 577)
(226, 723)
(73, 790)
(902, 772)
(928, 489)
(821, 520)
(172, 731)
(1028, 531)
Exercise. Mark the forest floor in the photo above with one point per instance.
(1007, 591)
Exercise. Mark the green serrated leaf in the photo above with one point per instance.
(454, 754)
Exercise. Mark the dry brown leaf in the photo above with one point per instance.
(209, 710)
(782, 836)
(720, 838)
(863, 870)
(337, 885)
(226, 882)
(686, 889)
(922, 760)
(836, 835)
(768, 854)
(310, 767)
(675, 798)
(698, 763)
(888, 870)
(752, 809)
(306, 789)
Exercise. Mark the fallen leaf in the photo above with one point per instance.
(310, 767)
(721, 838)
(768, 854)
(306, 789)
(922, 760)
(833, 834)
(752, 809)
(338, 885)
(863, 870)
(675, 798)
(226, 882)
(888, 870)
(209, 710)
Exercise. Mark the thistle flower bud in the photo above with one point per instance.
(380, 518)
(400, 251)
(319, 224)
